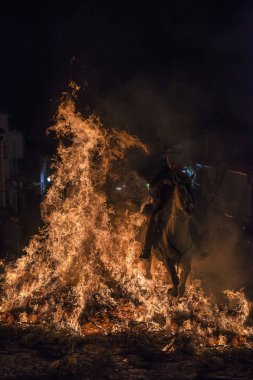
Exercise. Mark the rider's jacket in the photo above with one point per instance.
(163, 184)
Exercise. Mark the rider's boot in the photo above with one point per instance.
(156, 235)
(145, 254)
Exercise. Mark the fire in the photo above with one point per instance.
(83, 263)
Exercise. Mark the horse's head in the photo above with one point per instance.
(183, 200)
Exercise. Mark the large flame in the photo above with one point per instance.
(87, 252)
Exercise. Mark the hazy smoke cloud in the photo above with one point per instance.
(164, 113)
(161, 112)
(223, 239)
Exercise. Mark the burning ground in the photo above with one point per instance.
(42, 353)
(80, 276)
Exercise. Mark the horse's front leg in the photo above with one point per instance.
(185, 270)
(174, 277)
(146, 265)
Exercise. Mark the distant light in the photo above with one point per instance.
(148, 186)
(202, 166)
(187, 170)
(118, 188)
(48, 179)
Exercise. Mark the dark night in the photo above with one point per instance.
(126, 190)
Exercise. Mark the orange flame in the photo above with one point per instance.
(87, 252)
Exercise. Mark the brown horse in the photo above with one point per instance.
(175, 246)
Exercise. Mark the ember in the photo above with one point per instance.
(82, 271)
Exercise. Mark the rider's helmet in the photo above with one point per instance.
(174, 157)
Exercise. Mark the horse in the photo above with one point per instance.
(174, 245)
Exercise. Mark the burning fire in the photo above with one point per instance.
(83, 263)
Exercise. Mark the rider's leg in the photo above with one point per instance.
(145, 255)
(157, 230)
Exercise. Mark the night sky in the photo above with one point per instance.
(162, 70)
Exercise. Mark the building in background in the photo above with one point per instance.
(45, 179)
(11, 167)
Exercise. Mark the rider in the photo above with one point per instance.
(161, 189)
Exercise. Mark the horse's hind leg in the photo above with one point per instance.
(174, 278)
(185, 270)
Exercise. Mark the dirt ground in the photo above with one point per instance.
(39, 353)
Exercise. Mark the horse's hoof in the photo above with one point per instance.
(181, 291)
(148, 276)
(146, 265)
(173, 292)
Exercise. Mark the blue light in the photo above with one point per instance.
(189, 171)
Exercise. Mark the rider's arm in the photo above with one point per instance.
(181, 177)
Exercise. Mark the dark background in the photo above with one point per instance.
(168, 71)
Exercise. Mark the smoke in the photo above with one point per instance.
(166, 113)
(223, 239)
(161, 112)
(85, 257)
(223, 269)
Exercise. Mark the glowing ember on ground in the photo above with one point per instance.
(82, 267)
